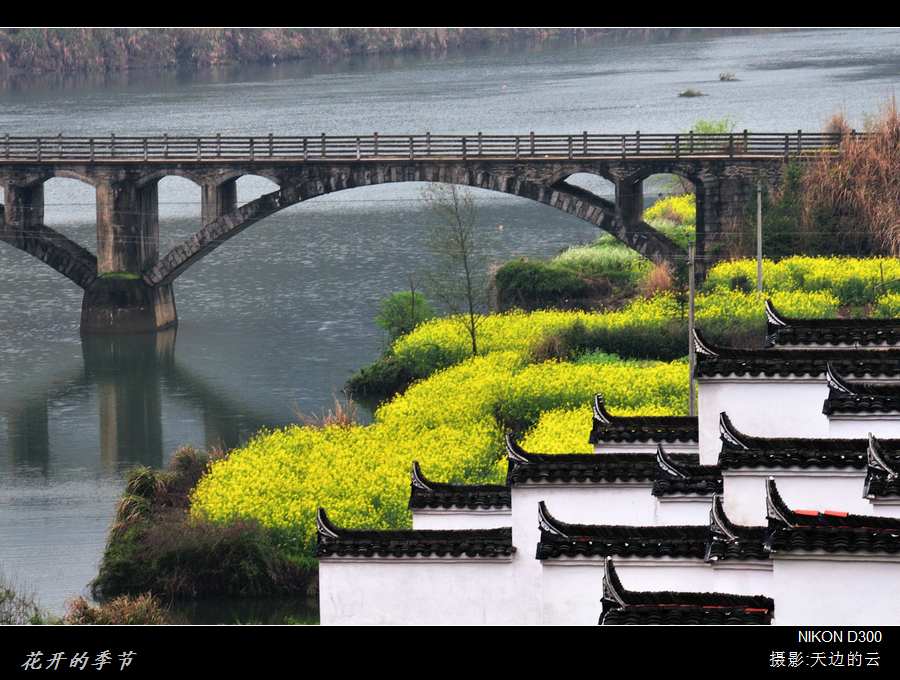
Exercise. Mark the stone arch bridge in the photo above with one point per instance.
(128, 282)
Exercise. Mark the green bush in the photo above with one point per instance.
(387, 376)
(401, 312)
(605, 259)
(531, 284)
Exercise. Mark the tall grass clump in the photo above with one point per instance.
(860, 186)
(140, 610)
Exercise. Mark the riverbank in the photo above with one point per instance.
(58, 50)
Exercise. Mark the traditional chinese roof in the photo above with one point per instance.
(882, 472)
(810, 531)
(608, 428)
(676, 477)
(733, 541)
(715, 361)
(425, 493)
(740, 451)
(332, 541)
(627, 607)
(781, 330)
(846, 396)
(560, 539)
(585, 468)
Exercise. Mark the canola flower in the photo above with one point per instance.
(680, 209)
(561, 430)
(888, 306)
(519, 331)
(453, 421)
(853, 280)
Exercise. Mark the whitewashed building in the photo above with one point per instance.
(779, 504)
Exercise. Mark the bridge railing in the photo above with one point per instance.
(329, 147)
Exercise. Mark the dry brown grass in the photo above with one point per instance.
(838, 125)
(139, 610)
(861, 186)
(343, 414)
(658, 280)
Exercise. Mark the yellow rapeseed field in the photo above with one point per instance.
(453, 421)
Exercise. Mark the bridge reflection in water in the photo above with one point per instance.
(131, 376)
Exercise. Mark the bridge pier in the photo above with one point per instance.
(217, 200)
(630, 200)
(119, 300)
(122, 305)
(23, 205)
(127, 227)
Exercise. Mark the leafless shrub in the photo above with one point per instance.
(16, 606)
(861, 185)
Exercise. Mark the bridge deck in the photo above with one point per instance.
(427, 147)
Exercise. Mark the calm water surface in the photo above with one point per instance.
(276, 320)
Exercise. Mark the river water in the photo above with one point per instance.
(273, 323)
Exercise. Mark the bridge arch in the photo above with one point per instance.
(195, 177)
(234, 175)
(22, 225)
(65, 173)
(321, 181)
(251, 185)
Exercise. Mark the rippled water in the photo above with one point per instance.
(277, 319)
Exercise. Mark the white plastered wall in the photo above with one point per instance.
(572, 588)
(487, 518)
(418, 591)
(745, 492)
(820, 591)
(886, 426)
(682, 511)
(766, 408)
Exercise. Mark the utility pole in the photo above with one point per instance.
(759, 276)
(691, 356)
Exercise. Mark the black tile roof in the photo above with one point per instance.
(559, 539)
(781, 330)
(686, 616)
(809, 531)
(425, 493)
(715, 361)
(582, 468)
(846, 396)
(607, 428)
(674, 477)
(740, 451)
(882, 473)
(332, 541)
(733, 541)
(625, 607)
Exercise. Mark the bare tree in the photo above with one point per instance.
(459, 275)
